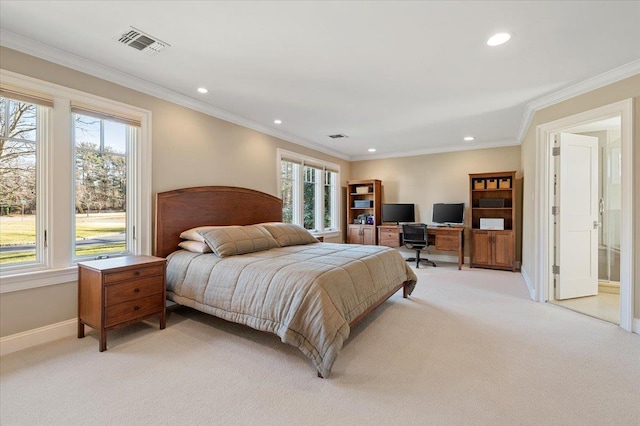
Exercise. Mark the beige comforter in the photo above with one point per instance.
(307, 294)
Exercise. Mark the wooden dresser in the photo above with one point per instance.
(115, 292)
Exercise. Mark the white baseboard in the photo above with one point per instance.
(38, 336)
(527, 281)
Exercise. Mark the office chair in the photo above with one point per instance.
(414, 236)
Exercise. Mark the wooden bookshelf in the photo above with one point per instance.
(493, 220)
(364, 197)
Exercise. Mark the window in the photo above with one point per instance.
(75, 181)
(102, 220)
(309, 191)
(22, 133)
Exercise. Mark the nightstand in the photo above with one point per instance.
(116, 292)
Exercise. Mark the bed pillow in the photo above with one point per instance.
(289, 234)
(195, 246)
(193, 235)
(232, 240)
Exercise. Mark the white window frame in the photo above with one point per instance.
(298, 208)
(130, 214)
(57, 264)
(43, 114)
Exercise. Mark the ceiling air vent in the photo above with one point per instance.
(135, 38)
(338, 136)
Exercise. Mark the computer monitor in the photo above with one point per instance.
(448, 213)
(398, 213)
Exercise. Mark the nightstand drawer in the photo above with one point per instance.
(134, 309)
(113, 277)
(123, 292)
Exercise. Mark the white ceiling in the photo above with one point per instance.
(403, 77)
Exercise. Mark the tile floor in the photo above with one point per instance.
(605, 306)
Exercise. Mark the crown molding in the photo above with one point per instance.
(620, 73)
(69, 60)
(439, 150)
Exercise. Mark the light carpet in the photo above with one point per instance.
(469, 347)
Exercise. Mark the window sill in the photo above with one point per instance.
(327, 234)
(27, 280)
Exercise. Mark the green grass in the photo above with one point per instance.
(17, 230)
(22, 230)
(30, 256)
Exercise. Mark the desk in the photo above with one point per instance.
(445, 238)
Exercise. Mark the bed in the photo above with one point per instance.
(252, 269)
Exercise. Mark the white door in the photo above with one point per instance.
(577, 227)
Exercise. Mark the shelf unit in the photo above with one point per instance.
(364, 197)
(493, 196)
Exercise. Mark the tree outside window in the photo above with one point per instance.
(100, 186)
(309, 192)
(18, 180)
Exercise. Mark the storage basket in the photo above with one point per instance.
(504, 183)
(492, 183)
(478, 184)
(362, 189)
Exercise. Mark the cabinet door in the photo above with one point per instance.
(502, 248)
(353, 234)
(368, 235)
(481, 241)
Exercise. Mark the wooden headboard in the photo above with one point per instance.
(186, 208)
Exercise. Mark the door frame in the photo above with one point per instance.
(543, 201)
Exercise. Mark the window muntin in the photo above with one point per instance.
(309, 192)
(19, 213)
(103, 220)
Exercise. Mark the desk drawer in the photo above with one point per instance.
(132, 310)
(136, 289)
(389, 238)
(447, 242)
(113, 277)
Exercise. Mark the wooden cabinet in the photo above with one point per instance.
(364, 210)
(119, 291)
(493, 220)
(361, 234)
(493, 248)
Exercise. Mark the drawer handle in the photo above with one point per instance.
(136, 273)
(136, 290)
(136, 308)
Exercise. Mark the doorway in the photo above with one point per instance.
(599, 295)
(617, 254)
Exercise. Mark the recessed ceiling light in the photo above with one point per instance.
(468, 138)
(277, 121)
(498, 39)
(372, 150)
(202, 90)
